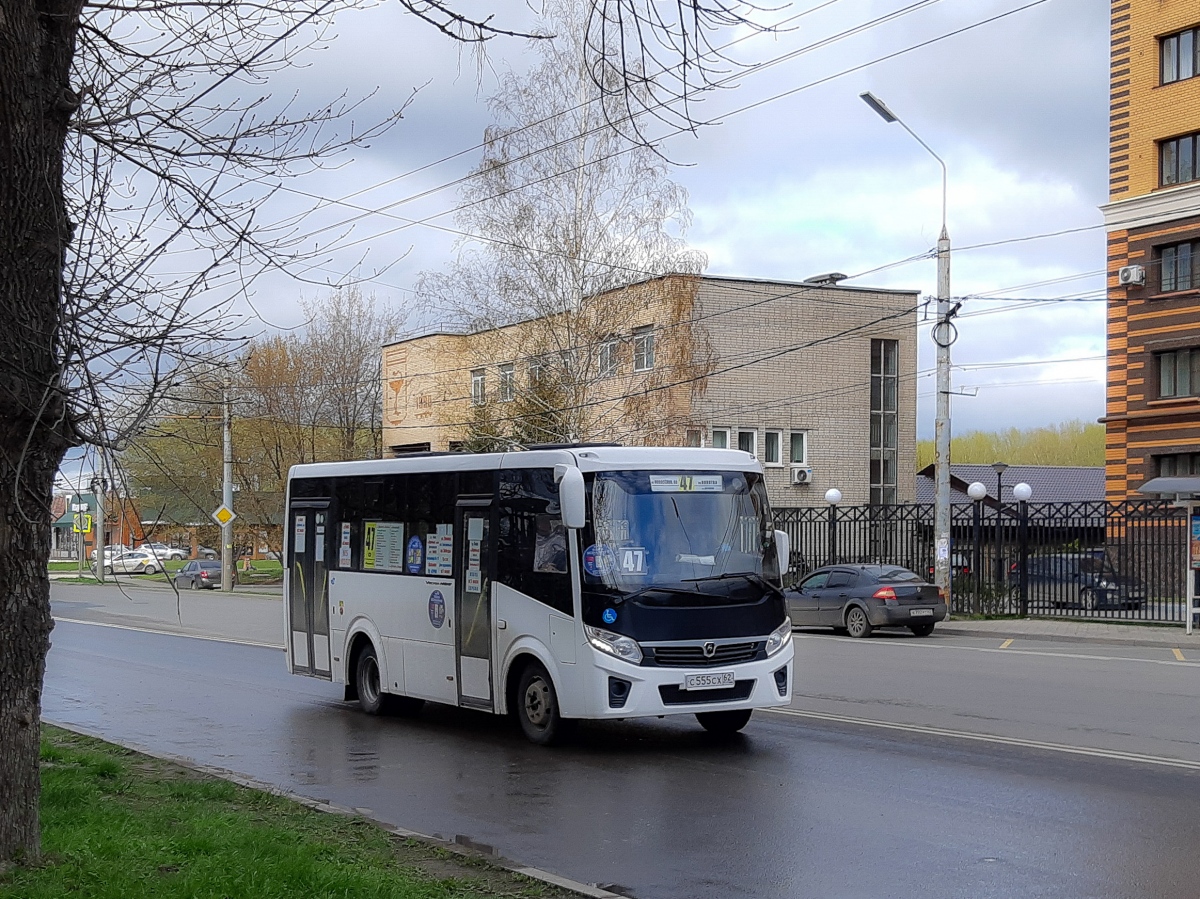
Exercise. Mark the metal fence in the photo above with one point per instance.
(1084, 560)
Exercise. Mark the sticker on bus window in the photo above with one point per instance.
(686, 483)
(298, 538)
(599, 560)
(369, 545)
(344, 548)
(632, 559)
(415, 555)
(389, 546)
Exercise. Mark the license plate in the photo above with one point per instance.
(716, 680)
(919, 613)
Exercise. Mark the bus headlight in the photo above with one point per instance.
(614, 644)
(779, 637)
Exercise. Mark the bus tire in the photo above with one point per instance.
(537, 707)
(368, 683)
(725, 723)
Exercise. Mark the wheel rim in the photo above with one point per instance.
(855, 621)
(368, 680)
(537, 703)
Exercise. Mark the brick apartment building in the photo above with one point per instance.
(816, 379)
(1153, 224)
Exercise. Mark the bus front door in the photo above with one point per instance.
(473, 602)
(308, 601)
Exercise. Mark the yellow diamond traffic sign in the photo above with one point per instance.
(223, 515)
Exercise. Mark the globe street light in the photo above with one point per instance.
(943, 337)
(999, 468)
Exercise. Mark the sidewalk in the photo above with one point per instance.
(1065, 631)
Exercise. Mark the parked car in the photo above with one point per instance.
(860, 598)
(1079, 581)
(199, 573)
(207, 552)
(960, 566)
(131, 561)
(162, 552)
(111, 550)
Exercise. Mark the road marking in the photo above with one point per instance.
(1179, 655)
(1115, 754)
(150, 630)
(1007, 643)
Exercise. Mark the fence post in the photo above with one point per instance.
(1023, 539)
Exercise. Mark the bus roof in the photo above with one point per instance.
(587, 458)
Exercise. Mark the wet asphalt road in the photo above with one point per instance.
(802, 807)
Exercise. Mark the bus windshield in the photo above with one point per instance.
(677, 528)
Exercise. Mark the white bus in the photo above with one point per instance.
(555, 584)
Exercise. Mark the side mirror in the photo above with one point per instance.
(572, 498)
(783, 550)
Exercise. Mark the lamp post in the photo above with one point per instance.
(833, 496)
(1021, 494)
(977, 492)
(943, 337)
(999, 468)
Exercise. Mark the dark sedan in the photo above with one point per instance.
(860, 598)
(199, 573)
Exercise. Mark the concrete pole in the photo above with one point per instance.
(942, 336)
(227, 497)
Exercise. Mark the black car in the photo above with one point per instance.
(199, 573)
(1079, 581)
(860, 598)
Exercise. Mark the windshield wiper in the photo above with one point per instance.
(753, 576)
(674, 591)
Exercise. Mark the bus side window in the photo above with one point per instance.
(532, 542)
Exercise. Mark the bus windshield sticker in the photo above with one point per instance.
(301, 527)
(344, 548)
(389, 546)
(599, 560)
(415, 555)
(686, 483)
(369, 545)
(633, 559)
(437, 609)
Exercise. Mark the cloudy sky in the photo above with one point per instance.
(798, 176)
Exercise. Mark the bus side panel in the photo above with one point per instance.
(531, 623)
(399, 608)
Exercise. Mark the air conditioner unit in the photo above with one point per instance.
(801, 475)
(1132, 275)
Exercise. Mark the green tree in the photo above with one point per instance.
(1070, 443)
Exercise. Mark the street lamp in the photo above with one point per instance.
(833, 496)
(977, 492)
(999, 468)
(943, 337)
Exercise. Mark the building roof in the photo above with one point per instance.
(1050, 483)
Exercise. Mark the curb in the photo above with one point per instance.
(1182, 641)
(461, 845)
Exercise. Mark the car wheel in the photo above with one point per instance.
(108, 569)
(725, 723)
(150, 569)
(195, 584)
(537, 707)
(1087, 600)
(857, 623)
(922, 630)
(366, 678)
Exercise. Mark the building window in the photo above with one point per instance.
(747, 442)
(507, 386)
(608, 357)
(1177, 160)
(1178, 267)
(694, 437)
(772, 447)
(1180, 54)
(885, 364)
(643, 348)
(537, 368)
(720, 438)
(478, 387)
(1178, 465)
(799, 448)
(1178, 373)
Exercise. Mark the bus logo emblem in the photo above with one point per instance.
(710, 650)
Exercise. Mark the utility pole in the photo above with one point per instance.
(227, 496)
(99, 488)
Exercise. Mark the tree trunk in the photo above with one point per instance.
(37, 41)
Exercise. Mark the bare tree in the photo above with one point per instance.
(565, 210)
(137, 142)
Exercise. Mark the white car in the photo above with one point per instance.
(131, 561)
(162, 552)
(112, 549)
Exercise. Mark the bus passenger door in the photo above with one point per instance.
(473, 602)
(308, 600)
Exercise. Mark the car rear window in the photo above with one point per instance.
(210, 565)
(899, 576)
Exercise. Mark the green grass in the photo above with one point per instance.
(119, 825)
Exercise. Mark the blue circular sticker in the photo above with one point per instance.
(599, 560)
(437, 609)
(415, 555)
(609, 616)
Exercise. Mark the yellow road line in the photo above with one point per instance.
(1179, 655)
(1007, 643)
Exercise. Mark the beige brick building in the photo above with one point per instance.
(811, 377)
(1153, 222)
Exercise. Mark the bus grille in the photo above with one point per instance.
(693, 656)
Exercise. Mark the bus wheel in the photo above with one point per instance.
(366, 676)
(537, 707)
(724, 722)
